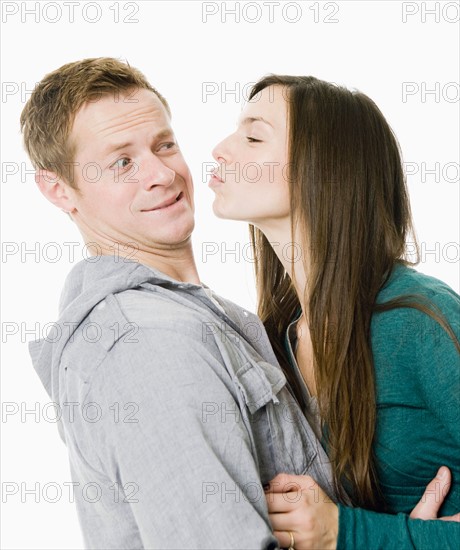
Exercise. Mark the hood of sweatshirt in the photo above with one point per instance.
(87, 284)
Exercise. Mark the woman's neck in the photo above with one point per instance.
(292, 254)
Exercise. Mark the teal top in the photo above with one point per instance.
(417, 374)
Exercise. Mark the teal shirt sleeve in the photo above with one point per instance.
(438, 377)
(418, 421)
(360, 528)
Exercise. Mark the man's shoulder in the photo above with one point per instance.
(157, 306)
(137, 323)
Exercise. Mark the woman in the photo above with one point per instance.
(369, 346)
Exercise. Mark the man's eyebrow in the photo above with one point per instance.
(167, 132)
(250, 119)
(114, 147)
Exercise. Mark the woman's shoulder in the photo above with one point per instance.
(437, 301)
(407, 282)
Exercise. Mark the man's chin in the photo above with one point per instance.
(177, 238)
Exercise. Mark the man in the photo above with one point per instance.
(177, 410)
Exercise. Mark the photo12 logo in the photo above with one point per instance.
(431, 92)
(52, 492)
(70, 12)
(430, 12)
(269, 12)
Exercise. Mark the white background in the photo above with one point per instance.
(370, 48)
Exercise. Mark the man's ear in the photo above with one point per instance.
(56, 190)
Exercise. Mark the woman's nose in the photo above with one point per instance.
(220, 153)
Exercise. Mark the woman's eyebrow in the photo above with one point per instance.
(249, 120)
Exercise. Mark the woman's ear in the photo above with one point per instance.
(56, 190)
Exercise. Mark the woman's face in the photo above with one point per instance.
(250, 182)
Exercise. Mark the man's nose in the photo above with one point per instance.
(157, 173)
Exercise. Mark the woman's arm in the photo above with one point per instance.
(433, 371)
(360, 528)
(297, 505)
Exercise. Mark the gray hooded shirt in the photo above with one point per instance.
(175, 411)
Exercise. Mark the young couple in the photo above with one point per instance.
(346, 435)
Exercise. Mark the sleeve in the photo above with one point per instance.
(179, 451)
(360, 528)
(437, 376)
(438, 365)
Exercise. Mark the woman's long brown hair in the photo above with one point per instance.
(349, 198)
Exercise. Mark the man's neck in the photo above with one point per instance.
(180, 267)
(175, 262)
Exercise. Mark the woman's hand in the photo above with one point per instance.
(434, 495)
(298, 505)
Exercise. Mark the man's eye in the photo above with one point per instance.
(253, 140)
(121, 163)
(167, 146)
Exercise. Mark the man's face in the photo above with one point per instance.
(134, 184)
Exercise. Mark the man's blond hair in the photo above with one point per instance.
(47, 118)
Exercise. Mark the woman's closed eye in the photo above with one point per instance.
(253, 140)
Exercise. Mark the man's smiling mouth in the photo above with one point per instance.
(166, 204)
